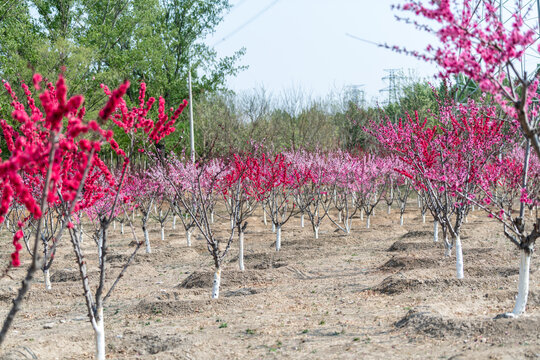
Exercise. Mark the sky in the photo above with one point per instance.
(303, 44)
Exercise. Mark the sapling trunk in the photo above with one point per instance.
(361, 215)
(523, 285)
(174, 222)
(273, 227)
(265, 221)
(216, 284)
(188, 236)
(302, 220)
(459, 258)
(368, 221)
(278, 237)
(435, 231)
(241, 250)
(99, 330)
(389, 208)
(423, 218)
(47, 278)
(147, 240)
(162, 232)
(122, 228)
(316, 230)
(401, 219)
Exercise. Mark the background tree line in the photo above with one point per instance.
(159, 42)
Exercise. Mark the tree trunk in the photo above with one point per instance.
(162, 233)
(188, 237)
(47, 278)
(174, 222)
(316, 229)
(368, 222)
(523, 285)
(122, 228)
(435, 231)
(302, 220)
(241, 250)
(99, 330)
(401, 219)
(278, 238)
(216, 283)
(147, 240)
(459, 258)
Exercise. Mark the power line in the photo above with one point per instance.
(247, 22)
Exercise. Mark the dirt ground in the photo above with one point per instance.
(385, 292)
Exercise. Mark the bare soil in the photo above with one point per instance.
(384, 292)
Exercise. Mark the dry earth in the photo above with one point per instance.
(384, 292)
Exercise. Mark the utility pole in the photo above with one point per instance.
(191, 131)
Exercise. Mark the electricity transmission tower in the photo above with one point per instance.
(356, 94)
(395, 80)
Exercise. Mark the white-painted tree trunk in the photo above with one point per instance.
(147, 241)
(302, 220)
(212, 216)
(447, 245)
(339, 216)
(389, 208)
(368, 221)
(435, 231)
(241, 251)
(423, 218)
(265, 221)
(188, 237)
(122, 228)
(174, 222)
(100, 335)
(523, 285)
(316, 228)
(401, 220)
(216, 284)
(100, 246)
(47, 278)
(273, 227)
(162, 233)
(278, 238)
(348, 226)
(361, 214)
(114, 224)
(459, 258)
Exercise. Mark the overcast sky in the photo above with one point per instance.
(303, 43)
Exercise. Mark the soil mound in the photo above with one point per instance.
(147, 344)
(205, 279)
(397, 284)
(407, 246)
(418, 234)
(433, 325)
(179, 307)
(408, 263)
(65, 275)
